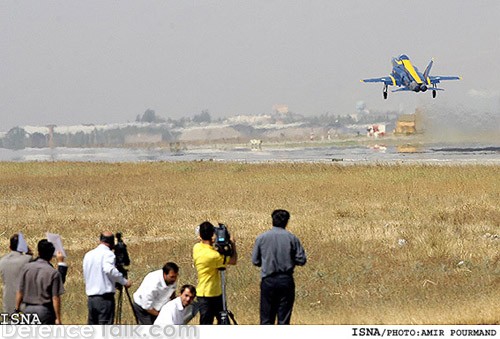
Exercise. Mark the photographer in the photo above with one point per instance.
(207, 261)
(100, 276)
(157, 288)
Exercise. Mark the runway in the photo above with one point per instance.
(428, 154)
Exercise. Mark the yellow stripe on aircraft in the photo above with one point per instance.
(393, 80)
(428, 81)
(413, 73)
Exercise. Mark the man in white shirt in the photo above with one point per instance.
(157, 288)
(100, 276)
(175, 311)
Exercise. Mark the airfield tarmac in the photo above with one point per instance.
(429, 154)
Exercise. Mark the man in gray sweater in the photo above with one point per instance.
(277, 252)
(10, 271)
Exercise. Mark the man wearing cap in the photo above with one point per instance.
(100, 276)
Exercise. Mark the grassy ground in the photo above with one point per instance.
(385, 244)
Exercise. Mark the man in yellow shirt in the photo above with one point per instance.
(207, 262)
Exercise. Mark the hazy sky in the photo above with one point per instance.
(71, 62)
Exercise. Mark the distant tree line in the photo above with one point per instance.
(332, 120)
(149, 116)
(149, 123)
(18, 138)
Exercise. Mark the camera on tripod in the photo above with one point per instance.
(224, 246)
(222, 243)
(121, 253)
(122, 259)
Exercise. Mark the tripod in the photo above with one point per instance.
(225, 314)
(119, 304)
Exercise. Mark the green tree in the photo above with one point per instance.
(204, 116)
(15, 138)
(38, 140)
(150, 116)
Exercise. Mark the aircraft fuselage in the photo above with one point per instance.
(408, 75)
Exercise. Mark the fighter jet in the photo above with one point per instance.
(408, 78)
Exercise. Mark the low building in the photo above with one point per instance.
(406, 124)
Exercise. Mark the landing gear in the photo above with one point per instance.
(434, 92)
(385, 92)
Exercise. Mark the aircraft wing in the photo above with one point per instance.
(436, 79)
(404, 89)
(386, 80)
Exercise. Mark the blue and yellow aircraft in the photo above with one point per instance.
(405, 75)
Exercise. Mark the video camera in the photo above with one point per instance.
(121, 260)
(121, 253)
(222, 243)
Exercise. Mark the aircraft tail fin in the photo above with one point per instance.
(428, 69)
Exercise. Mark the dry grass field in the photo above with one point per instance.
(398, 244)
